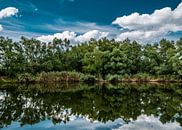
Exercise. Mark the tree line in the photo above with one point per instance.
(96, 57)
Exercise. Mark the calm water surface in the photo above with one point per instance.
(94, 107)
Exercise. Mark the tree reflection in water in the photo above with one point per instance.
(30, 104)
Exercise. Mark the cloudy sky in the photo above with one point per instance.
(80, 20)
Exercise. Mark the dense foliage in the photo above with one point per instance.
(100, 58)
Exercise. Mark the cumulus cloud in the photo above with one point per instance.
(147, 27)
(73, 37)
(144, 122)
(91, 34)
(7, 12)
(64, 35)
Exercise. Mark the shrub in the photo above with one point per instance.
(88, 78)
(141, 77)
(26, 78)
(59, 76)
(73, 76)
(113, 78)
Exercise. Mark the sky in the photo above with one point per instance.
(80, 20)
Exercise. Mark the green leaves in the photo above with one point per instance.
(98, 58)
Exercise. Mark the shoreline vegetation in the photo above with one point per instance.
(104, 60)
(75, 77)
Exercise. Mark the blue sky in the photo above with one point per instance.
(48, 17)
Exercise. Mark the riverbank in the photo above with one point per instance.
(52, 77)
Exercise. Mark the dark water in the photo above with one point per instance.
(97, 107)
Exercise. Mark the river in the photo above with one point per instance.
(91, 107)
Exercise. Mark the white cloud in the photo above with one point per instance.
(7, 12)
(148, 27)
(64, 35)
(73, 37)
(91, 34)
(144, 122)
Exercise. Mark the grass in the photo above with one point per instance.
(59, 76)
(142, 77)
(73, 77)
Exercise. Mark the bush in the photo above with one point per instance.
(59, 76)
(26, 78)
(140, 77)
(113, 78)
(88, 78)
(74, 76)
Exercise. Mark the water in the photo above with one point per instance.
(94, 107)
